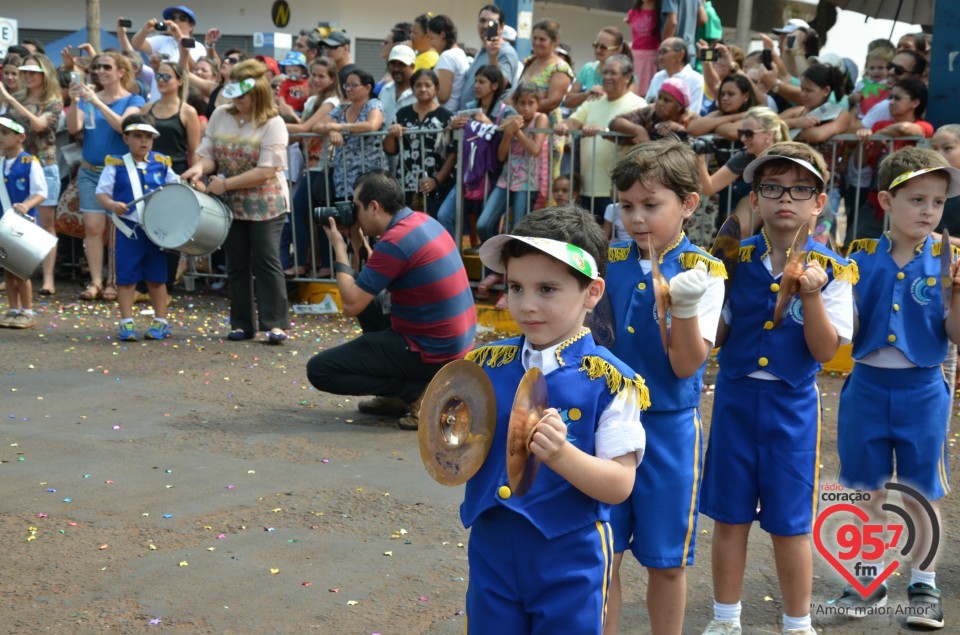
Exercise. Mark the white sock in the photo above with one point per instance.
(796, 623)
(923, 577)
(27, 311)
(161, 320)
(126, 321)
(727, 612)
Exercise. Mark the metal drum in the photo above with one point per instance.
(23, 244)
(182, 219)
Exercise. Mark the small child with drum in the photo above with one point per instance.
(24, 188)
(124, 181)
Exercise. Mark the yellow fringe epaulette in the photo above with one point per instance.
(689, 260)
(633, 390)
(849, 272)
(868, 245)
(746, 253)
(493, 356)
(164, 159)
(29, 159)
(617, 254)
(937, 248)
(112, 160)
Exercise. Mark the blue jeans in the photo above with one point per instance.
(447, 215)
(520, 203)
(297, 228)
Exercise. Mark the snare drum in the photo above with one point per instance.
(23, 244)
(183, 219)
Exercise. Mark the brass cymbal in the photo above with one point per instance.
(458, 416)
(661, 294)
(726, 248)
(526, 413)
(792, 270)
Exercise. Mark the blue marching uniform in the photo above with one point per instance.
(136, 257)
(897, 411)
(17, 180)
(541, 563)
(668, 480)
(765, 432)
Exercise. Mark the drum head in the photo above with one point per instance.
(171, 216)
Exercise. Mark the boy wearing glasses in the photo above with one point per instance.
(765, 434)
(895, 401)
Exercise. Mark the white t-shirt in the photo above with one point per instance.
(612, 216)
(108, 179)
(455, 61)
(38, 182)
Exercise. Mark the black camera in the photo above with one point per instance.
(342, 212)
(702, 146)
(161, 26)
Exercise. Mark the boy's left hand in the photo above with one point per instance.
(813, 278)
(551, 436)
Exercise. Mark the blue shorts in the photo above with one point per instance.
(887, 412)
(87, 189)
(764, 448)
(522, 583)
(51, 174)
(661, 513)
(137, 258)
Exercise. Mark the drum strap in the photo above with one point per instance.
(134, 177)
(4, 197)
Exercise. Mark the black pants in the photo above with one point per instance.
(252, 249)
(379, 362)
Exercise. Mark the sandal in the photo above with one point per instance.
(238, 335)
(501, 304)
(109, 294)
(91, 293)
(483, 289)
(276, 337)
(47, 292)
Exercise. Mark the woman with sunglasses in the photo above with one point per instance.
(99, 114)
(245, 146)
(211, 87)
(40, 103)
(589, 82)
(759, 129)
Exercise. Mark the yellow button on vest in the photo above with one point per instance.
(891, 338)
(931, 281)
(901, 275)
(642, 286)
(504, 492)
(763, 361)
(896, 307)
(774, 287)
(630, 329)
(768, 325)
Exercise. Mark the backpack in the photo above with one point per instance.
(480, 144)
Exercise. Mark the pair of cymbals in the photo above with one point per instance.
(792, 270)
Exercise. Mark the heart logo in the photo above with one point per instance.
(829, 556)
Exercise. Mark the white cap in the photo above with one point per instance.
(508, 33)
(30, 68)
(142, 127)
(403, 54)
(767, 158)
(6, 122)
(239, 89)
(952, 190)
(791, 26)
(491, 253)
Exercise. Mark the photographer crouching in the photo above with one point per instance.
(431, 318)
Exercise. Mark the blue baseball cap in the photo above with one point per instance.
(294, 58)
(184, 10)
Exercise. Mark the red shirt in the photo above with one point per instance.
(295, 93)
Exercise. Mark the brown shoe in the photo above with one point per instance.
(391, 406)
(411, 420)
(22, 321)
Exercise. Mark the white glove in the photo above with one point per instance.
(686, 289)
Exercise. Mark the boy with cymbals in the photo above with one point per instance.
(24, 187)
(658, 184)
(123, 180)
(540, 562)
(764, 449)
(895, 401)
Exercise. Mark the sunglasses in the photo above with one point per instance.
(745, 133)
(180, 17)
(164, 77)
(102, 67)
(351, 86)
(598, 45)
(897, 69)
(231, 60)
(332, 48)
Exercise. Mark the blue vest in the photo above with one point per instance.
(637, 322)
(17, 181)
(753, 343)
(898, 307)
(151, 177)
(588, 379)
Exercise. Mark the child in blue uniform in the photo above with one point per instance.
(765, 429)
(658, 185)
(24, 188)
(895, 402)
(123, 180)
(540, 563)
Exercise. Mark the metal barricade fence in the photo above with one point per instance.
(356, 157)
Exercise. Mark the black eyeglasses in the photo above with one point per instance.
(164, 77)
(102, 67)
(746, 133)
(231, 60)
(797, 192)
(897, 69)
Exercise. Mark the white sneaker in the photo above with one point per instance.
(800, 631)
(716, 627)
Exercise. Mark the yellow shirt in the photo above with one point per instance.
(427, 59)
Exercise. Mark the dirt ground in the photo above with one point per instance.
(202, 486)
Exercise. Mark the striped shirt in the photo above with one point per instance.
(430, 298)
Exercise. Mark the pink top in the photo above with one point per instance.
(645, 30)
